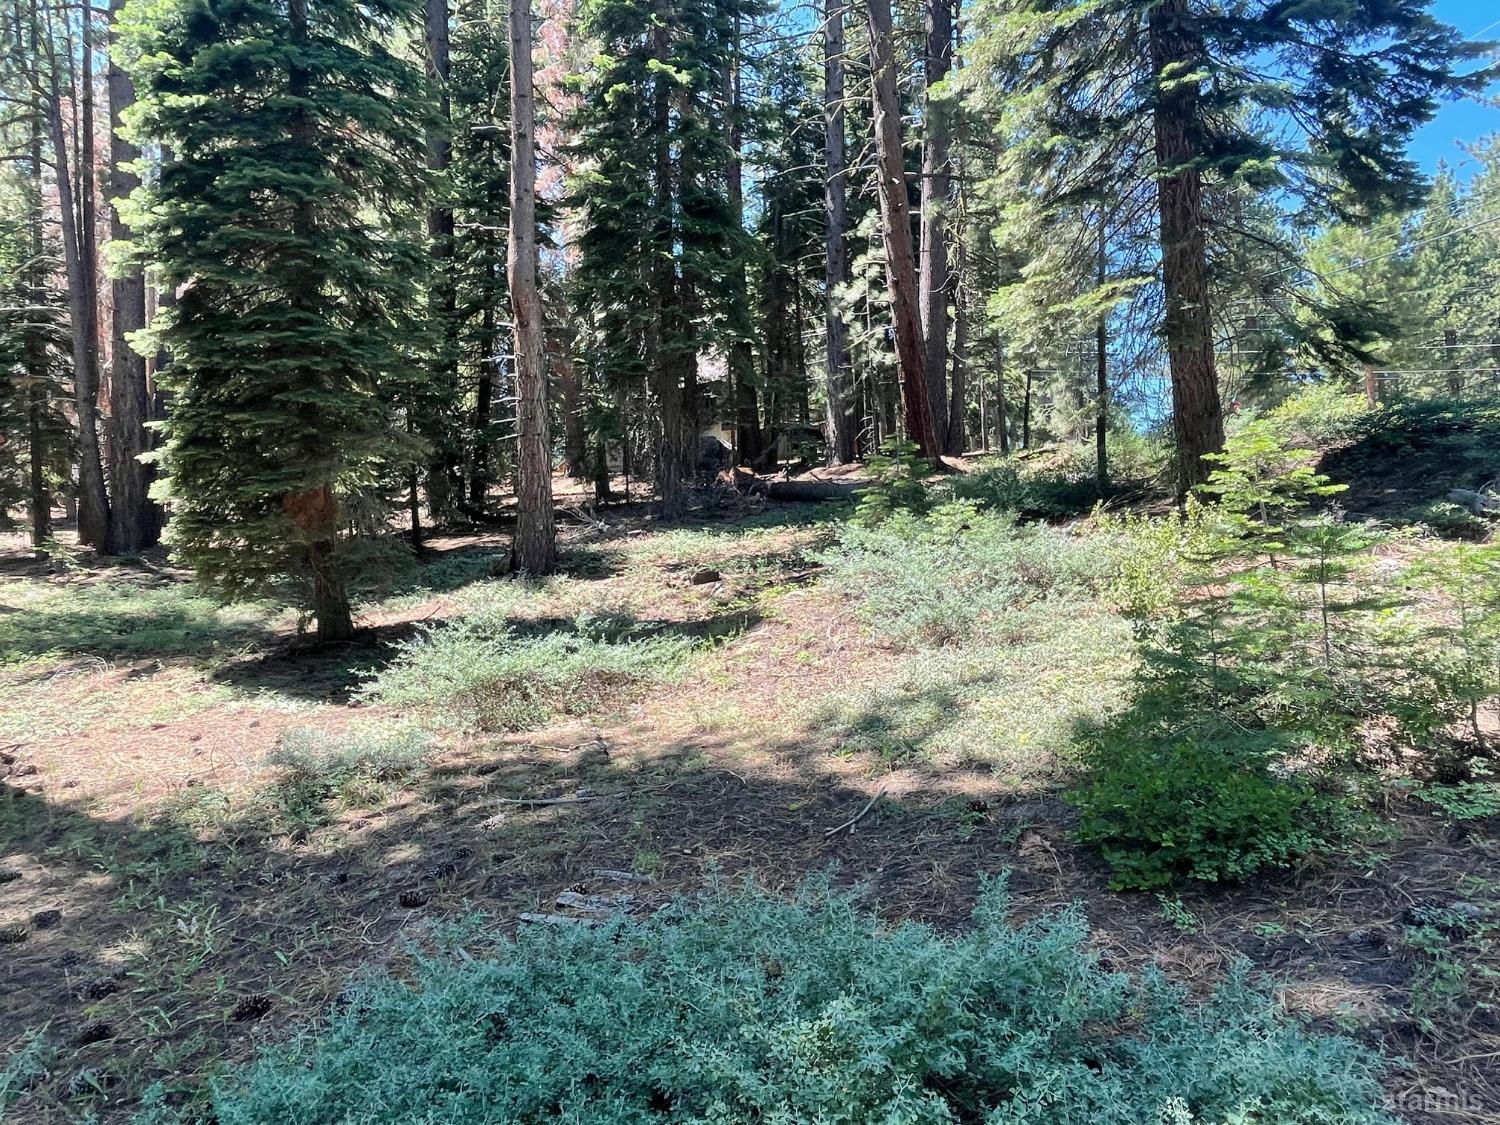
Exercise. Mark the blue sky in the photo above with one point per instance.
(1460, 121)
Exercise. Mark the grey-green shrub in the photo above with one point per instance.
(356, 768)
(502, 676)
(1012, 707)
(743, 1008)
(958, 572)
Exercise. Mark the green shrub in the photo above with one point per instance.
(958, 572)
(742, 1008)
(1206, 805)
(1029, 488)
(1321, 414)
(503, 676)
(354, 768)
(898, 473)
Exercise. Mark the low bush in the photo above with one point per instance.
(353, 767)
(1205, 804)
(315, 773)
(740, 1008)
(1010, 707)
(1321, 414)
(1036, 489)
(958, 572)
(501, 675)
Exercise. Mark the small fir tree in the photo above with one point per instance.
(294, 137)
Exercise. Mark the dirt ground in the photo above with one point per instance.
(152, 950)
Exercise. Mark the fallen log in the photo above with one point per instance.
(807, 491)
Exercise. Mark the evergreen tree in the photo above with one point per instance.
(1312, 101)
(479, 174)
(292, 127)
(659, 239)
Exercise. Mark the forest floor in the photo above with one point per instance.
(170, 901)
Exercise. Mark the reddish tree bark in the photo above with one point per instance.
(1197, 415)
(535, 548)
(895, 214)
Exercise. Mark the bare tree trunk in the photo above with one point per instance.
(135, 522)
(535, 549)
(575, 439)
(38, 501)
(484, 395)
(663, 339)
(958, 389)
(1002, 419)
(1197, 415)
(748, 437)
(933, 279)
(1101, 388)
(443, 471)
(841, 420)
(93, 500)
(1026, 413)
(895, 213)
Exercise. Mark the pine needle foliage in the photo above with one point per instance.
(293, 141)
(738, 1007)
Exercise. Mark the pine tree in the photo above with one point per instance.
(535, 548)
(659, 241)
(1313, 102)
(479, 184)
(291, 126)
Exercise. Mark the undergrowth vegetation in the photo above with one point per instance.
(314, 775)
(958, 573)
(1280, 658)
(122, 620)
(1011, 705)
(740, 1007)
(499, 674)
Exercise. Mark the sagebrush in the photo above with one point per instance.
(737, 1007)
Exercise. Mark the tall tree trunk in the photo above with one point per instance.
(318, 507)
(958, 388)
(535, 549)
(1101, 372)
(444, 465)
(895, 213)
(575, 437)
(38, 501)
(1197, 415)
(93, 500)
(839, 386)
(484, 396)
(135, 523)
(748, 436)
(1026, 413)
(664, 338)
(936, 183)
(1002, 418)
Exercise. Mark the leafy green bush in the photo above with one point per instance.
(958, 572)
(316, 771)
(741, 1008)
(898, 473)
(1321, 414)
(1164, 805)
(503, 676)
(1028, 488)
